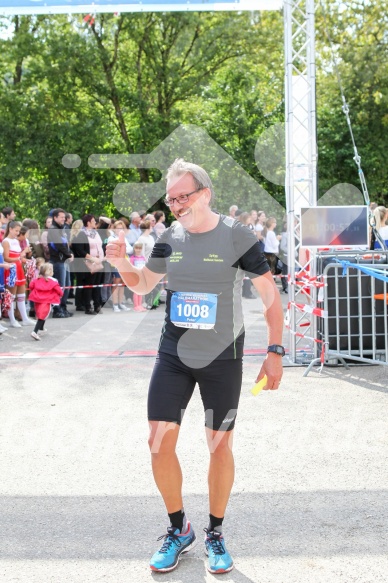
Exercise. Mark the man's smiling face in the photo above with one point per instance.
(190, 213)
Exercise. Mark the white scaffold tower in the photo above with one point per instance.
(301, 166)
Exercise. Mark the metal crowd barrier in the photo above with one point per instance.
(355, 326)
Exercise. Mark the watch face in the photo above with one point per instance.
(276, 349)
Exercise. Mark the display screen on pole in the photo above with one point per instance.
(83, 6)
(334, 226)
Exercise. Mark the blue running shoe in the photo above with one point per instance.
(175, 544)
(220, 560)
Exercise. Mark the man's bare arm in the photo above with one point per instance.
(273, 313)
(140, 281)
(273, 309)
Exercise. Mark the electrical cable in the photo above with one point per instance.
(346, 110)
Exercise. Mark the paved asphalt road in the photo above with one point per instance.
(78, 503)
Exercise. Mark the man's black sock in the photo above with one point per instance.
(178, 520)
(215, 523)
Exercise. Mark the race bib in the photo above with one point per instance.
(193, 310)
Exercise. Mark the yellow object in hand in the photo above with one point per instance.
(259, 386)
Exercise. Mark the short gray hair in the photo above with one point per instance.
(200, 176)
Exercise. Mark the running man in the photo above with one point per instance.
(205, 256)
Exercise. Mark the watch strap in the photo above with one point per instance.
(277, 349)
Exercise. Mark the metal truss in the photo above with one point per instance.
(301, 165)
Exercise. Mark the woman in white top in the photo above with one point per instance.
(146, 239)
(96, 265)
(381, 216)
(118, 292)
(271, 243)
(259, 228)
(159, 225)
(13, 253)
(43, 237)
(4, 266)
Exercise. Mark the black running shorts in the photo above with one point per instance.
(172, 385)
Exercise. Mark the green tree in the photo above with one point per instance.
(122, 84)
(358, 30)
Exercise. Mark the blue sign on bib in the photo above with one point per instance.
(193, 310)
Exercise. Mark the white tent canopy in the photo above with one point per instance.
(10, 7)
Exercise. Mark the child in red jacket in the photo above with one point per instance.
(45, 291)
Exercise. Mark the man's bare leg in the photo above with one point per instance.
(168, 477)
(221, 470)
(165, 464)
(220, 478)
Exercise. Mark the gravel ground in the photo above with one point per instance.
(77, 500)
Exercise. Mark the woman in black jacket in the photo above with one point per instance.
(83, 267)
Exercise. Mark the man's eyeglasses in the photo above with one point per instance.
(180, 199)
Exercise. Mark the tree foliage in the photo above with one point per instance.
(358, 32)
(123, 83)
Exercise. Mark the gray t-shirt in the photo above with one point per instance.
(213, 262)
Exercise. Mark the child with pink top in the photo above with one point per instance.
(138, 260)
(45, 291)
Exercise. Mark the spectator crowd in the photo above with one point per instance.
(75, 252)
(72, 253)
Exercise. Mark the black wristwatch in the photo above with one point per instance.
(277, 349)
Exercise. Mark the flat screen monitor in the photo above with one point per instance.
(335, 226)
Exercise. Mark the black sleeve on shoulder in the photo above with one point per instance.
(80, 245)
(54, 236)
(248, 253)
(160, 251)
